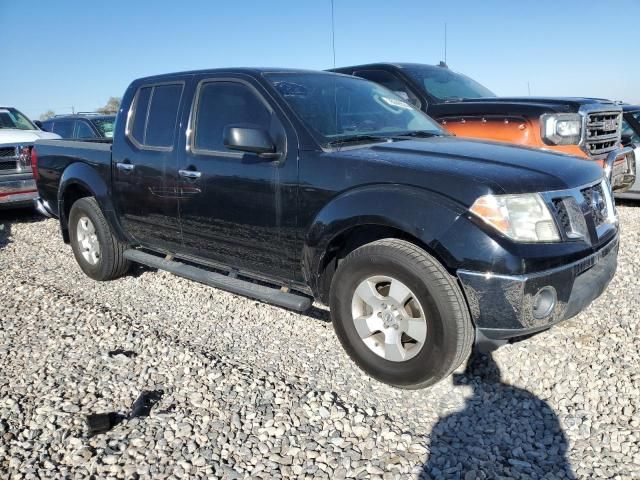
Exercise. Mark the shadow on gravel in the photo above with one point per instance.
(10, 217)
(503, 432)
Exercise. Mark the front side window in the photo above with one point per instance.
(443, 84)
(221, 104)
(83, 130)
(105, 125)
(628, 130)
(12, 118)
(336, 107)
(155, 113)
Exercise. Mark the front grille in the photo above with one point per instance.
(8, 159)
(7, 152)
(602, 133)
(570, 217)
(596, 203)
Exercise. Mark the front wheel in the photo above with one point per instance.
(98, 252)
(399, 314)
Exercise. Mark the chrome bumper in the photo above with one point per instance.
(17, 191)
(502, 306)
(620, 167)
(42, 206)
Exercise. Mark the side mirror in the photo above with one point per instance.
(38, 124)
(626, 139)
(251, 140)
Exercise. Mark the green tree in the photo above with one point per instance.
(112, 106)
(47, 115)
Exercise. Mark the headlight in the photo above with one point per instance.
(523, 218)
(561, 128)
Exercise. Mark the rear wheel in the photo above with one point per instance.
(399, 314)
(98, 252)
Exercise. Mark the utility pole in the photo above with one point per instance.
(333, 35)
(445, 42)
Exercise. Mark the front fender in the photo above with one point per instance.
(89, 179)
(417, 212)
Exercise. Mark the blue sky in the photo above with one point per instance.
(56, 54)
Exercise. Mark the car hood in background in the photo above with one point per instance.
(15, 135)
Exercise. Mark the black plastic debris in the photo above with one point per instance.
(145, 402)
(120, 351)
(103, 422)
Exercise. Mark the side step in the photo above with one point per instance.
(274, 296)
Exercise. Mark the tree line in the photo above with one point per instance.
(111, 107)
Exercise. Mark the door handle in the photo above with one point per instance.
(125, 167)
(189, 173)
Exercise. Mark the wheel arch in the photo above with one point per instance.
(372, 213)
(80, 180)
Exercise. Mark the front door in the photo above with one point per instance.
(145, 173)
(237, 208)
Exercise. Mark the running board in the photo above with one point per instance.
(271, 295)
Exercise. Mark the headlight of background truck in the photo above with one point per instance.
(523, 218)
(561, 128)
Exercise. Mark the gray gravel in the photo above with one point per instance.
(251, 390)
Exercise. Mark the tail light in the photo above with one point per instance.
(33, 155)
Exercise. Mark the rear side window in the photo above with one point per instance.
(222, 104)
(155, 112)
(64, 128)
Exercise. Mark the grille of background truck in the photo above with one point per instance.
(602, 133)
(8, 159)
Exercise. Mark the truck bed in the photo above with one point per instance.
(54, 157)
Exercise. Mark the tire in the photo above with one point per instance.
(105, 262)
(402, 351)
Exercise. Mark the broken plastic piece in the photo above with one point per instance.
(103, 422)
(145, 402)
(120, 351)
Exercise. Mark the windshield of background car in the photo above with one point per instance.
(12, 118)
(334, 107)
(105, 125)
(443, 84)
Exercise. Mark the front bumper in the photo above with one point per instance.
(17, 190)
(502, 306)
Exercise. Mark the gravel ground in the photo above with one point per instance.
(251, 390)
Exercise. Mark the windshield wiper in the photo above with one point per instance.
(357, 138)
(419, 134)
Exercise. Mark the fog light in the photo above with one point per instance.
(544, 302)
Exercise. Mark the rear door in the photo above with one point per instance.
(144, 167)
(237, 208)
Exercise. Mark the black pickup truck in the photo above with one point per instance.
(288, 186)
(584, 127)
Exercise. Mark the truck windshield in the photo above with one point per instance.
(105, 125)
(443, 84)
(12, 118)
(343, 109)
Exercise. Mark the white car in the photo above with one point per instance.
(17, 136)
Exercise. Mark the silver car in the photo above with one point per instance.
(631, 138)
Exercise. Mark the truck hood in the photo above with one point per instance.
(519, 105)
(15, 136)
(476, 168)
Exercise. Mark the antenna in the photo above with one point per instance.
(529, 88)
(445, 42)
(333, 35)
